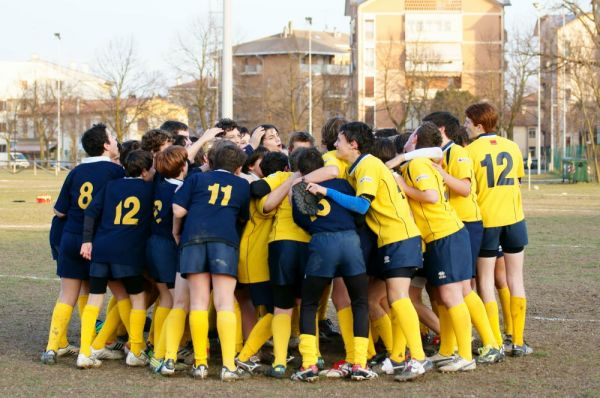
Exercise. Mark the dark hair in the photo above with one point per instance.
(300, 136)
(484, 114)
(226, 156)
(170, 162)
(383, 149)
(294, 159)
(243, 130)
(400, 140)
(428, 136)
(446, 120)
(386, 133)
(360, 133)
(173, 126)
(153, 139)
(330, 131)
(180, 140)
(308, 159)
(93, 140)
(274, 162)
(136, 162)
(265, 127)
(462, 137)
(126, 147)
(257, 154)
(226, 124)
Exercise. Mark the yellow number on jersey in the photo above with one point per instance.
(85, 195)
(157, 209)
(133, 205)
(325, 209)
(214, 194)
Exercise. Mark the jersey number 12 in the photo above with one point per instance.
(489, 166)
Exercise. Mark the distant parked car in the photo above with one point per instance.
(16, 158)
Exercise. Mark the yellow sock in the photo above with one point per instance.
(505, 303)
(88, 326)
(137, 320)
(324, 303)
(111, 303)
(282, 329)
(239, 334)
(480, 319)
(61, 315)
(199, 330)
(258, 336)
(111, 323)
(399, 342)
(124, 307)
(346, 321)
(371, 348)
(81, 302)
(295, 331)
(447, 336)
(383, 326)
(461, 322)
(160, 315)
(361, 345)
(491, 308)
(307, 349)
(408, 321)
(122, 330)
(226, 326)
(518, 310)
(175, 325)
(160, 347)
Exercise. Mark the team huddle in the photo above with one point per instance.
(235, 236)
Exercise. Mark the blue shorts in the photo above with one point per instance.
(475, 230)
(287, 261)
(335, 254)
(510, 237)
(162, 258)
(70, 264)
(402, 254)
(213, 257)
(448, 260)
(114, 271)
(261, 293)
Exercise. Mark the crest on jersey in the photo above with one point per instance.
(493, 142)
(463, 159)
(422, 177)
(366, 179)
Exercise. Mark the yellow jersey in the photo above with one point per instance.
(498, 165)
(284, 227)
(458, 164)
(253, 266)
(331, 159)
(389, 214)
(435, 220)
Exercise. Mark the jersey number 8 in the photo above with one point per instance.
(85, 195)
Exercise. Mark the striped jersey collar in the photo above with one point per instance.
(174, 181)
(356, 162)
(447, 146)
(492, 134)
(94, 159)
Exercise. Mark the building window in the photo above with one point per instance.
(369, 87)
(370, 115)
(531, 132)
(369, 30)
(370, 58)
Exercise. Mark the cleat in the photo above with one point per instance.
(139, 360)
(248, 366)
(377, 359)
(327, 330)
(431, 343)
(105, 353)
(186, 354)
(294, 342)
(232, 375)
(441, 360)
(49, 358)
(359, 373)
(414, 369)
(68, 350)
(167, 368)
(340, 369)
(459, 365)
(309, 375)
(489, 354)
(389, 367)
(155, 364)
(99, 324)
(116, 346)
(200, 372)
(521, 350)
(149, 351)
(84, 362)
(507, 344)
(277, 372)
(320, 363)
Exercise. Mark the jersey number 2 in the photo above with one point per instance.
(489, 166)
(214, 194)
(133, 205)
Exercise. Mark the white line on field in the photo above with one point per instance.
(29, 277)
(543, 318)
(42, 227)
(528, 209)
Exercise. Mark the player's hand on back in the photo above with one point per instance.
(86, 250)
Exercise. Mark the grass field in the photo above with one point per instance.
(562, 279)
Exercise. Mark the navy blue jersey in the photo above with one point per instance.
(216, 201)
(331, 216)
(125, 211)
(162, 224)
(81, 186)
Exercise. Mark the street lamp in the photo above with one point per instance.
(59, 137)
(309, 20)
(538, 135)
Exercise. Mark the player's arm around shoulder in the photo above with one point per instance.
(421, 181)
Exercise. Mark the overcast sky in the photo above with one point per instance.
(86, 26)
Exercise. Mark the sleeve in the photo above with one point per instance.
(367, 180)
(357, 204)
(260, 189)
(461, 165)
(248, 150)
(422, 175)
(183, 196)
(62, 203)
(244, 215)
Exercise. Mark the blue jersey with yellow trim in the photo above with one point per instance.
(164, 190)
